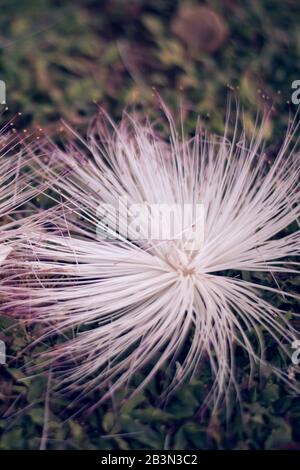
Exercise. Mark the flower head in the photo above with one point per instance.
(15, 188)
(131, 300)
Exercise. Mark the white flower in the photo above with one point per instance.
(15, 188)
(132, 303)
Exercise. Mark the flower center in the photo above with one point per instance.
(187, 271)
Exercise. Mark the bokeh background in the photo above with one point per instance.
(58, 60)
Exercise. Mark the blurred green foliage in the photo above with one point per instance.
(58, 59)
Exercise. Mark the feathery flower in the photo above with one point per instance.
(15, 188)
(134, 302)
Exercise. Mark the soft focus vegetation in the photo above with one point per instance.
(58, 59)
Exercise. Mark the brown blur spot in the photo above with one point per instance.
(199, 27)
